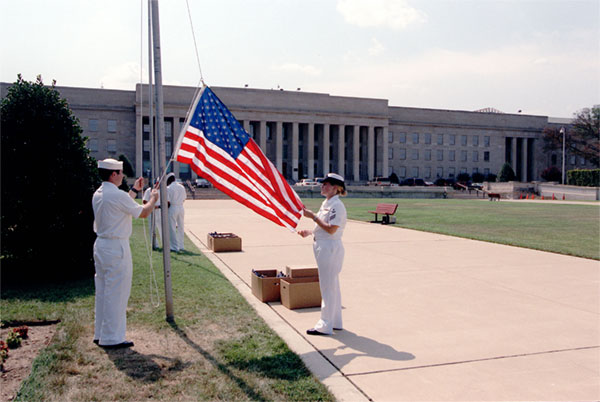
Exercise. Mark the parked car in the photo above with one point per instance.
(380, 181)
(307, 182)
(412, 182)
(202, 183)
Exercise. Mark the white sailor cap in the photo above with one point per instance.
(110, 164)
(335, 179)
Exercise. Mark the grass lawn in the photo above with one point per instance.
(218, 349)
(570, 229)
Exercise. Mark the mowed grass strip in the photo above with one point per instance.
(217, 349)
(571, 229)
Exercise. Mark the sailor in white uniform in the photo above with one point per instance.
(113, 210)
(176, 196)
(330, 222)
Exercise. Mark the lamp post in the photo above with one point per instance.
(562, 131)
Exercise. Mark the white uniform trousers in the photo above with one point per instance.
(114, 270)
(330, 258)
(157, 225)
(176, 214)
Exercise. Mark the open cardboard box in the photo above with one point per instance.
(300, 292)
(266, 289)
(224, 242)
(301, 271)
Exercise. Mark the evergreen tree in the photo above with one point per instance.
(506, 173)
(48, 179)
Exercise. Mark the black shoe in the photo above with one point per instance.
(338, 329)
(96, 341)
(126, 344)
(313, 331)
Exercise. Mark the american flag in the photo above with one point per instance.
(218, 148)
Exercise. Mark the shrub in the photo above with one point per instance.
(584, 177)
(552, 174)
(506, 173)
(48, 179)
(394, 179)
(463, 177)
(478, 177)
(13, 340)
(491, 177)
(22, 331)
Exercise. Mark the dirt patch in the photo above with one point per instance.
(18, 365)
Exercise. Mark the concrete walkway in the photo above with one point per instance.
(428, 317)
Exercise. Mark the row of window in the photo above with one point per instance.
(415, 154)
(427, 138)
(94, 125)
(427, 172)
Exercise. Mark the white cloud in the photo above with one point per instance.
(376, 47)
(121, 76)
(394, 14)
(297, 68)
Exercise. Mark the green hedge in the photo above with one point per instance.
(587, 178)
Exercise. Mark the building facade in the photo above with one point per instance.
(308, 135)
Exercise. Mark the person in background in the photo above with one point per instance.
(328, 248)
(155, 217)
(113, 211)
(176, 196)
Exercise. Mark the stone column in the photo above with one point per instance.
(384, 153)
(310, 169)
(278, 145)
(341, 150)
(263, 136)
(514, 156)
(371, 152)
(295, 151)
(524, 177)
(326, 145)
(356, 154)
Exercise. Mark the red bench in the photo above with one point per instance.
(386, 210)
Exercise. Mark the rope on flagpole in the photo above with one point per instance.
(195, 45)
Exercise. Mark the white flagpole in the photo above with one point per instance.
(153, 159)
(160, 128)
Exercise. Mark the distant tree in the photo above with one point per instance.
(506, 173)
(552, 174)
(491, 177)
(394, 179)
(582, 137)
(478, 177)
(127, 166)
(463, 177)
(48, 178)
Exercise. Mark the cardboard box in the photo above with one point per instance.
(266, 289)
(224, 242)
(301, 271)
(300, 292)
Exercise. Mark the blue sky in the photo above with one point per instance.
(541, 57)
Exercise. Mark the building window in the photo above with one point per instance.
(112, 126)
(427, 154)
(93, 145)
(486, 141)
(390, 137)
(440, 139)
(390, 170)
(475, 156)
(440, 154)
(414, 154)
(475, 170)
(440, 172)
(573, 159)
(463, 156)
(111, 145)
(486, 172)
(475, 140)
(451, 172)
(463, 140)
(147, 145)
(452, 139)
(452, 156)
(415, 138)
(582, 161)
(554, 159)
(391, 153)
(486, 156)
(415, 172)
(402, 138)
(428, 172)
(402, 155)
(402, 172)
(463, 170)
(427, 138)
(93, 125)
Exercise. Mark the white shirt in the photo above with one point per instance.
(148, 194)
(113, 209)
(332, 211)
(176, 193)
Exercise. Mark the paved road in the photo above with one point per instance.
(428, 317)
